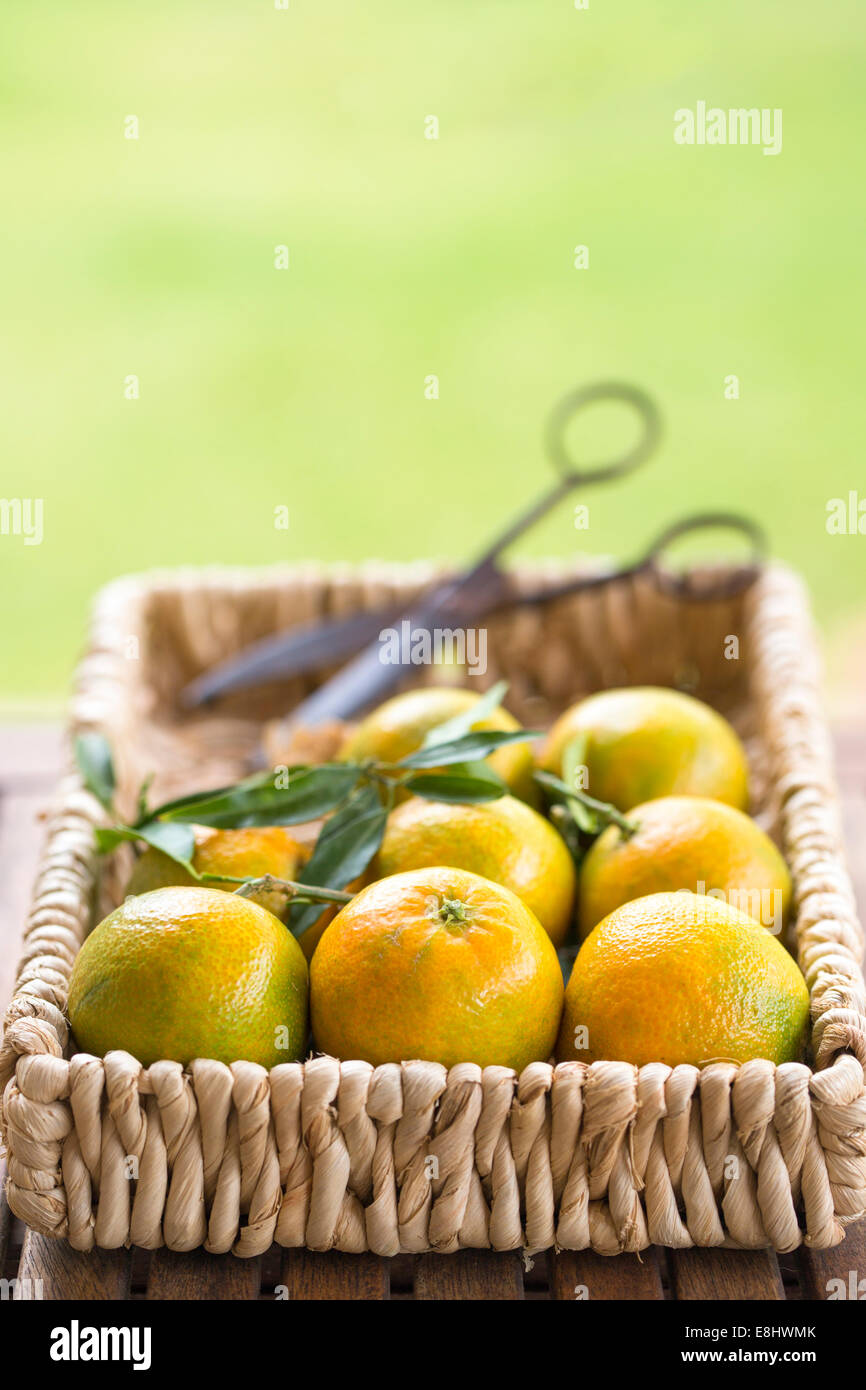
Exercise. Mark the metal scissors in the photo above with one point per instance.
(481, 589)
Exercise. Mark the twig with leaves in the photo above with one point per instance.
(354, 798)
(579, 817)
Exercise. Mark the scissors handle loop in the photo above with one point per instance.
(715, 581)
(573, 402)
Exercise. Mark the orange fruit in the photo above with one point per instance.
(644, 742)
(246, 853)
(685, 842)
(436, 964)
(678, 978)
(181, 973)
(400, 725)
(504, 841)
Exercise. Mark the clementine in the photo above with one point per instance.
(436, 964)
(678, 978)
(644, 742)
(685, 842)
(505, 841)
(180, 973)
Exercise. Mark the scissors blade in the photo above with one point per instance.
(288, 654)
(314, 645)
(370, 676)
(361, 681)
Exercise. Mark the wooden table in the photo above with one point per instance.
(29, 759)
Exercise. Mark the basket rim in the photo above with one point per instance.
(252, 577)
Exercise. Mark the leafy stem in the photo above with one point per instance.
(294, 892)
(605, 811)
(352, 799)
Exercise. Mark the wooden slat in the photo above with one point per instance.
(401, 1276)
(66, 1273)
(725, 1274)
(197, 1275)
(331, 1275)
(577, 1274)
(469, 1275)
(819, 1267)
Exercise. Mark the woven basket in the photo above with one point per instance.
(337, 1155)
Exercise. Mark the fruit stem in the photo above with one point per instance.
(452, 910)
(610, 814)
(296, 892)
(389, 784)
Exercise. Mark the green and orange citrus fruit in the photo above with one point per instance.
(644, 742)
(180, 973)
(685, 842)
(505, 841)
(436, 964)
(678, 978)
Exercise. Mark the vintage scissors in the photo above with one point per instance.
(481, 589)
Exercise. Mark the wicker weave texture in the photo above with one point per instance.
(408, 1157)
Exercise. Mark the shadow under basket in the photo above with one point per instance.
(411, 1157)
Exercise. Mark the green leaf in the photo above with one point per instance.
(192, 799)
(95, 763)
(479, 743)
(311, 792)
(177, 841)
(574, 758)
(109, 837)
(462, 723)
(465, 784)
(346, 844)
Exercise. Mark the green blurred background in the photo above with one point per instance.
(304, 388)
